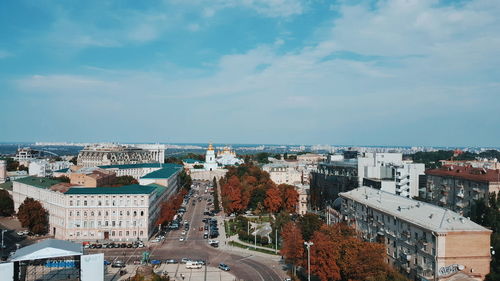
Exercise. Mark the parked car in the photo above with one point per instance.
(155, 262)
(106, 262)
(118, 264)
(170, 261)
(224, 267)
(185, 260)
(181, 239)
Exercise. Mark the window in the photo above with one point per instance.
(99, 203)
(121, 213)
(99, 213)
(71, 202)
(135, 213)
(142, 213)
(142, 232)
(106, 214)
(128, 213)
(127, 233)
(85, 203)
(119, 233)
(70, 213)
(106, 223)
(85, 213)
(92, 213)
(113, 223)
(77, 214)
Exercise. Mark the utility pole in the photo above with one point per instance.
(308, 246)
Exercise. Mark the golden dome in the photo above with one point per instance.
(210, 147)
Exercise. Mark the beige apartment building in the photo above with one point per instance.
(425, 241)
(124, 213)
(456, 187)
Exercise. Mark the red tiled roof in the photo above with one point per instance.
(467, 172)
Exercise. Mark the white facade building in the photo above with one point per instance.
(124, 213)
(44, 168)
(227, 157)
(283, 173)
(210, 161)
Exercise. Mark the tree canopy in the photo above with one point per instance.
(32, 215)
(6, 203)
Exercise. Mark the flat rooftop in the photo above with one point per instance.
(425, 215)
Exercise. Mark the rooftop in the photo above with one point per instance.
(126, 189)
(163, 173)
(467, 172)
(38, 182)
(50, 248)
(138, 166)
(425, 215)
(191, 161)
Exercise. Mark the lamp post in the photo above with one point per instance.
(308, 246)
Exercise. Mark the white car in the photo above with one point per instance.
(20, 233)
(183, 232)
(181, 239)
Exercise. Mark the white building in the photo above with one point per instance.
(44, 168)
(124, 213)
(138, 170)
(210, 161)
(426, 241)
(113, 154)
(3, 171)
(284, 173)
(389, 172)
(227, 157)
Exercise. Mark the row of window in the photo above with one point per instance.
(120, 202)
(106, 213)
(91, 224)
(112, 233)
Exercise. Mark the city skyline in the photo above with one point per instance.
(392, 73)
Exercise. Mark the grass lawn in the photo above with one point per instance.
(236, 244)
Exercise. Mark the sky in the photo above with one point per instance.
(389, 72)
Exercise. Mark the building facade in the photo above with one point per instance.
(92, 177)
(100, 155)
(45, 168)
(282, 173)
(124, 213)
(456, 187)
(425, 241)
(210, 161)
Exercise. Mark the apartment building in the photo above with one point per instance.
(283, 173)
(114, 154)
(383, 171)
(425, 241)
(456, 187)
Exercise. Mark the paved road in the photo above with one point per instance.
(244, 267)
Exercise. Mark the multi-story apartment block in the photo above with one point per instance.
(384, 171)
(456, 187)
(425, 241)
(97, 213)
(99, 155)
(45, 168)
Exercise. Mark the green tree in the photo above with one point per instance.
(216, 196)
(125, 180)
(32, 215)
(6, 203)
(308, 224)
(185, 180)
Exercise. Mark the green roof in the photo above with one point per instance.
(191, 161)
(137, 166)
(38, 182)
(164, 173)
(62, 170)
(6, 185)
(158, 188)
(126, 189)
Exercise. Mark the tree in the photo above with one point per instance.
(293, 245)
(216, 196)
(125, 180)
(308, 224)
(231, 194)
(324, 255)
(174, 160)
(290, 197)
(273, 200)
(185, 180)
(257, 196)
(6, 203)
(32, 215)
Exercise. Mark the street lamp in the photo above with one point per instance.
(308, 246)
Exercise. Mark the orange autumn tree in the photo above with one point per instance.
(169, 208)
(289, 196)
(338, 254)
(231, 194)
(293, 244)
(273, 200)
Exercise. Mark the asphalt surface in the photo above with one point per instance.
(245, 267)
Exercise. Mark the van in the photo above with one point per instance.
(193, 264)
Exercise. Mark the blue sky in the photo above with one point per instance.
(393, 72)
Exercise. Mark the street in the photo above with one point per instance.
(244, 264)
